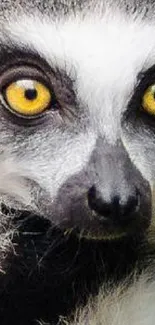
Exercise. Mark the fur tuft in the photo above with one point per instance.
(13, 186)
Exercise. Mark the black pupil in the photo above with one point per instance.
(31, 94)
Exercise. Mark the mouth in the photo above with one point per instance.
(94, 229)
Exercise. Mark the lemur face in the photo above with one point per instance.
(77, 107)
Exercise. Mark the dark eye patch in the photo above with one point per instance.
(62, 84)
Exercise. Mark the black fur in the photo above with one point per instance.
(45, 274)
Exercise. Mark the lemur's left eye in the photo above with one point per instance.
(28, 97)
(148, 100)
(27, 91)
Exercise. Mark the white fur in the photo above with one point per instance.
(132, 306)
(13, 188)
(105, 54)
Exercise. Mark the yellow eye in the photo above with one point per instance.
(148, 100)
(28, 97)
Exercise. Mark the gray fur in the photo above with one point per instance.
(65, 7)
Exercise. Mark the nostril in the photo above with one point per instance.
(132, 205)
(92, 197)
(96, 203)
(94, 200)
(115, 209)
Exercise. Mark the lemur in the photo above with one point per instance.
(77, 148)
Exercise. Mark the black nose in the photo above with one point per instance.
(116, 210)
